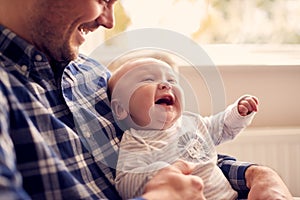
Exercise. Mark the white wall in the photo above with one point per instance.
(273, 139)
(277, 87)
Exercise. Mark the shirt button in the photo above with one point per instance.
(38, 57)
(23, 68)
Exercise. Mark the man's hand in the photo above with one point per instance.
(247, 105)
(175, 182)
(265, 184)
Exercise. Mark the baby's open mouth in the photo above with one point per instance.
(166, 100)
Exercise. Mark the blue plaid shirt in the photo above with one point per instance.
(58, 139)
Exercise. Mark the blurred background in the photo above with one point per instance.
(255, 45)
(212, 21)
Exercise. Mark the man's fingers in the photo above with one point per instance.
(175, 182)
(197, 182)
(184, 167)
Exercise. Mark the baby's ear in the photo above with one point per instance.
(118, 110)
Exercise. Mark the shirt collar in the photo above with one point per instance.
(29, 61)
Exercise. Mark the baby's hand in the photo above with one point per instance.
(247, 105)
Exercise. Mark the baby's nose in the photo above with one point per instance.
(164, 85)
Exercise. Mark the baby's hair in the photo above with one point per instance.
(136, 55)
(145, 53)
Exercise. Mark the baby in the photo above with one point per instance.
(147, 101)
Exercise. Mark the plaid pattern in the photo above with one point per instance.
(235, 173)
(41, 153)
(57, 139)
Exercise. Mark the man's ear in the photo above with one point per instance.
(118, 110)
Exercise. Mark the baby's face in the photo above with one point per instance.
(151, 88)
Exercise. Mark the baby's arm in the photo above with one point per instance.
(226, 125)
(239, 115)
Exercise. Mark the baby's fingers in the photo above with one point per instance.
(243, 110)
(253, 103)
(247, 105)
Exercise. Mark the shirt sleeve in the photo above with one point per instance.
(10, 178)
(234, 171)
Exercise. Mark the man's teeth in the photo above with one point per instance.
(84, 31)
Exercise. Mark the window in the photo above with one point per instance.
(215, 21)
(265, 27)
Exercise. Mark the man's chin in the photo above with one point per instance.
(72, 54)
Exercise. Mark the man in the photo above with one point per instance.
(45, 152)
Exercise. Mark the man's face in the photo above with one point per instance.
(58, 27)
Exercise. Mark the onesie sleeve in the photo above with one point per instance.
(225, 125)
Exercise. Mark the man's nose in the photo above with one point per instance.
(106, 18)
